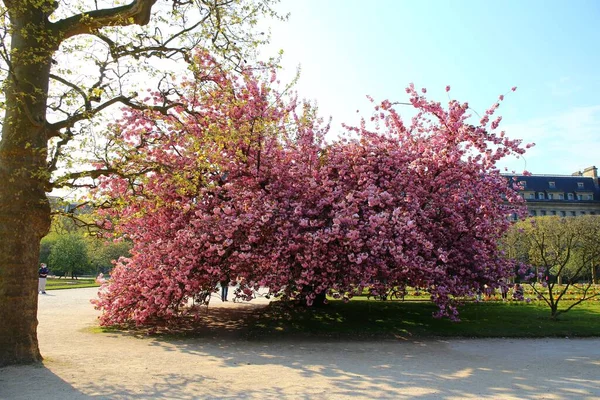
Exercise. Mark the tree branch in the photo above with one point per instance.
(88, 105)
(92, 174)
(71, 121)
(136, 13)
(66, 137)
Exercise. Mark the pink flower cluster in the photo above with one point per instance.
(237, 182)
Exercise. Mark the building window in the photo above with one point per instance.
(553, 212)
(523, 184)
(583, 213)
(563, 214)
(541, 195)
(550, 196)
(552, 185)
(570, 196)
(561, 196)
(579, 197)
(533, 213)
(573, 213)
(592, 213)
(589, 197)
(579, 185)
(543, 212)
(531, 196)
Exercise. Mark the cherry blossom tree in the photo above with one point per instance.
(237, 183)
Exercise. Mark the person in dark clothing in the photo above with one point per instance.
(224, 287)
(42, 275)
(504, 292)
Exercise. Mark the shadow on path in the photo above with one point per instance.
(216, 361)
(33, 382)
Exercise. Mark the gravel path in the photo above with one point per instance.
(81, 363)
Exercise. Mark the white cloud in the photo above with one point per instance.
(563, 87)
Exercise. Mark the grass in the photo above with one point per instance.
(55, 283)
(363, 319)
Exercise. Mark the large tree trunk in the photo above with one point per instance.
(24, 208)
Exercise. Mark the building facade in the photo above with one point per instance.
(562, 195)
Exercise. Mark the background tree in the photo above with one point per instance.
(103, 254)
(66, 65)
(69, 256)
(46, 245)
(564, 251)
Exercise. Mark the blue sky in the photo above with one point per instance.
(548, 49)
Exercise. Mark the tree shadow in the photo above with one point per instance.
(433, 369)
(212, 322)
(35, 382)
(324, 368)
(215, 359)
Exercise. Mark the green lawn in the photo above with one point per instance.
(395, 319)
(55, 283)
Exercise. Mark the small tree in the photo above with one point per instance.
(69, 256)
(565, 248)
(62, 226)
(46, 245)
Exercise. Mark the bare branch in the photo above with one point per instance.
(71, 121)
(92, 174)
(70, 179)
(88, 105)
(65, 139)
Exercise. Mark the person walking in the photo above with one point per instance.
(42, 276)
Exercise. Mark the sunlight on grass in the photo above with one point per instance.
(55, 283)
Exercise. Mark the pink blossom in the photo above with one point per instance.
(417, 202)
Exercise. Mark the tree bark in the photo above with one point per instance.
(24, 208)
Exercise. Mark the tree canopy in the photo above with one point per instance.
(237, 182)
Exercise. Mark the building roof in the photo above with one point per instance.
(562, 183)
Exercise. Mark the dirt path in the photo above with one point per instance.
(81, 363)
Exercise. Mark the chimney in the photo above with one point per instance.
(591, 171)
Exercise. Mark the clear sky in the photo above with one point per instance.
(549, 49)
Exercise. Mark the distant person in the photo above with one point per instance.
(42, 276)
(504, 292)
(518, 292)
(478, 295)
(224, 287)
(100, 279)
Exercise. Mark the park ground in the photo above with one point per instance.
(82, 362)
